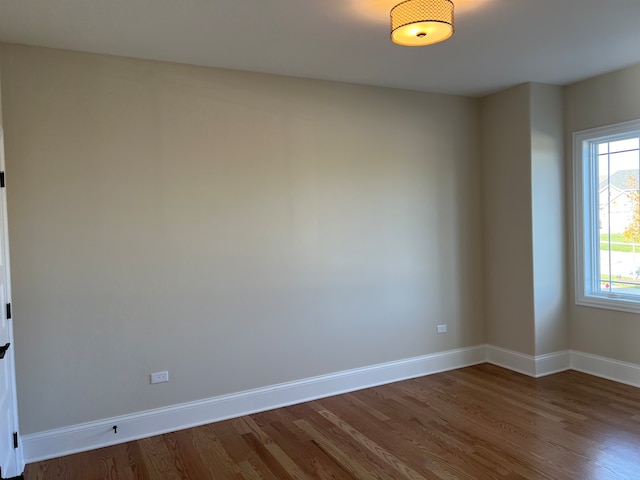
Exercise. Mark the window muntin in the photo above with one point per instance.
(607, 216)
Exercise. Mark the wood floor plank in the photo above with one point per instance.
(346, 460)
(311, 459)
(126, 461)
(184, 449)
(240, 451)
(381, 439)
(213, 454)
(480, 422)
(374, 447)
(425, 438)
(158, 459)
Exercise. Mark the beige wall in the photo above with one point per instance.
(235, 229)
(603, 100)
(548, 219)
(524, 243)
(508, 249)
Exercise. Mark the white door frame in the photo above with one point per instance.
(16, 466)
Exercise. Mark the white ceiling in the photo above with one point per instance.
(497, 43)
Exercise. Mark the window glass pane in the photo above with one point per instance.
(628, 288)
(603, 147)
(604, 217)
(627, 160)
(604, 192)
(603, 167)
(619, 206)
(622, 145)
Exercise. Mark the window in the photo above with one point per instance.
(607, 216)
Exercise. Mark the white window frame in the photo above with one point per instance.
(586, 218)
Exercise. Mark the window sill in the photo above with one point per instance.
(612, 302)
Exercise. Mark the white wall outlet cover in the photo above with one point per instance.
(442, 328)
(159, 377)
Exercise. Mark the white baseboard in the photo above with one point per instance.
(538, 366)
(552, 363)
(98, 434)
(542, 365)
(622, 372)
(92, 435)
(516, 361)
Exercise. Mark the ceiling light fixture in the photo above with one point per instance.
(415, 23)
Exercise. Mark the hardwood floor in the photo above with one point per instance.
(480, 422)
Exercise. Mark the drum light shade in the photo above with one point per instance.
(416, 23)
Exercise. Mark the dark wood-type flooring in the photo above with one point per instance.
(480, 422)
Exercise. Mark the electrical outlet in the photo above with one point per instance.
(442, 328)
(159, 377)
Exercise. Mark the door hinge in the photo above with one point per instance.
(8, 311)
(15, 439)
(1, 186)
